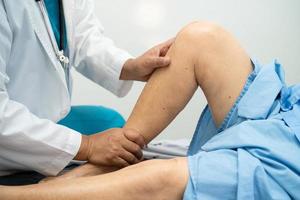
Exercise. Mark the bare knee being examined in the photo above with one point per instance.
(221, 66)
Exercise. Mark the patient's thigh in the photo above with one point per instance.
(158, 179)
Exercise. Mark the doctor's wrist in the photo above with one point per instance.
(83, 152)
(127, 70)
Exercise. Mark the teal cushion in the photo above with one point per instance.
(92, 119)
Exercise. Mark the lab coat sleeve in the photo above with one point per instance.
(96, 56)
(26, 141)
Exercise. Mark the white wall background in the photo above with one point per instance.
(266, 28)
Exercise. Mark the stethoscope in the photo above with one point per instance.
(59, 50)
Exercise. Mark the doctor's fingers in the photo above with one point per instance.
(134, 149)
(164, 47)
(120, 162)
(157, 62)
(135, 136)
(129, 157)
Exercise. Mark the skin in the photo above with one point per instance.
(203, 55)
(142, 67)
(114, 147)
(125, 184)
(123, 147)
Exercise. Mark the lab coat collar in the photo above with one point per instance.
(68, 9)
(42, 34)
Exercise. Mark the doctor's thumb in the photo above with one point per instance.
(161, 62)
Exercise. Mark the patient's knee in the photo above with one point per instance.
(169, 178)
(175, 175)
(205, 33)
(179, 171)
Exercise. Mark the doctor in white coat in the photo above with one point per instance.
(35, 87)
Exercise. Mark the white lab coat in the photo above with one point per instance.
(33, 88)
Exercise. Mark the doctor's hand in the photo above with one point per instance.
(141, 68)
(114, 147)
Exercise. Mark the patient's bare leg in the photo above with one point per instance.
(203, 55)
(159, 180)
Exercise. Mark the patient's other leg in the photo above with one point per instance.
(203, 55)
(159, 180)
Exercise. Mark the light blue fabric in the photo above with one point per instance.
(92, 119)
(52, 7)
(255, 154)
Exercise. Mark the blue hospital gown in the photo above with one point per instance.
(255, 153)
